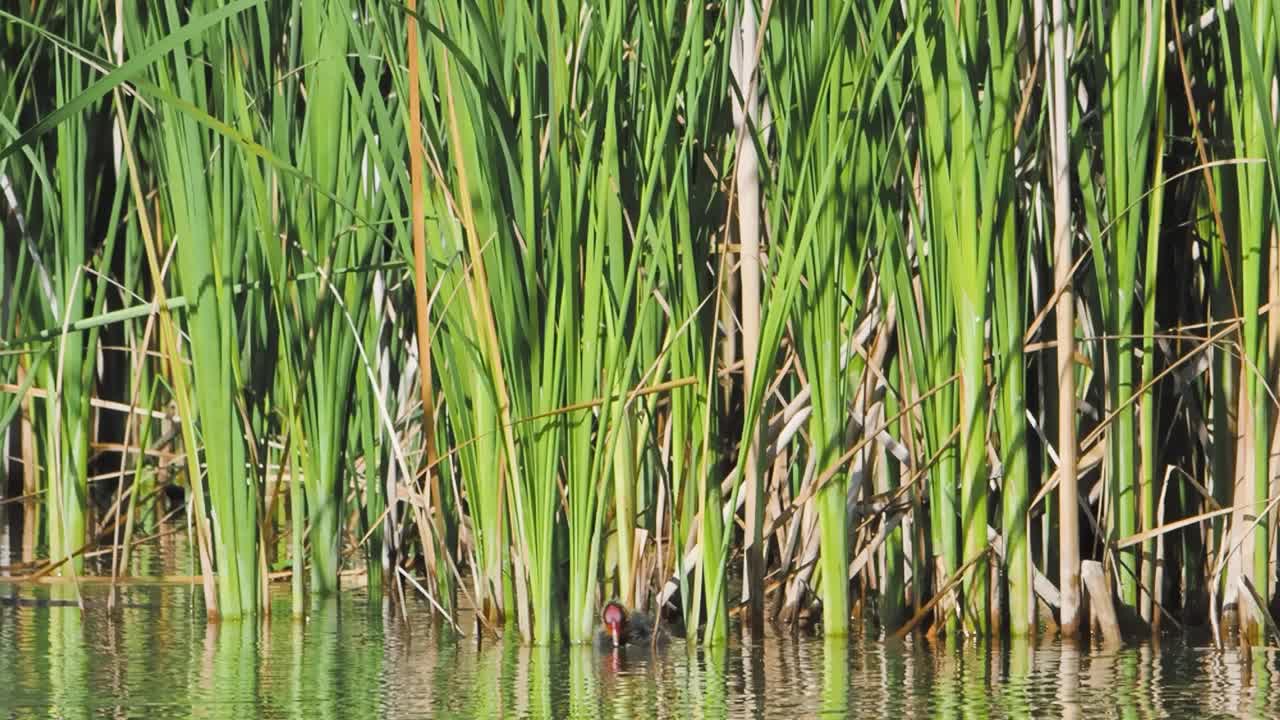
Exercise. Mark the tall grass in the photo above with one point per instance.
(968, 147)
(523, 307)
(1249, 201)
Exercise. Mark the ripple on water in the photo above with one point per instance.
(350, 659)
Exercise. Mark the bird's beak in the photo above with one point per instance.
(613, 631)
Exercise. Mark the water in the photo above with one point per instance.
(160, 659)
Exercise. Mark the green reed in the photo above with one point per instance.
(1249, 199)
(529, 306)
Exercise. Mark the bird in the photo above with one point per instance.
(622, 628)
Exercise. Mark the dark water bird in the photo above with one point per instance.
(622, 628)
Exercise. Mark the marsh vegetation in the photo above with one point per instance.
(796, 312)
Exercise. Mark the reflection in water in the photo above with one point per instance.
(712, 675)
(1068, 681)
(67, 661)
(1017, 687)
(229, 679)
(1263, 697)
(946, 687)
(350, 659)
(584, 685)
(835, 677)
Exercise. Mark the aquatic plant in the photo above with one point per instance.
(520, 307)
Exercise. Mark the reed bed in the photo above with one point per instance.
(894, 312)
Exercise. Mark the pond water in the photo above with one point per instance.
(158, 658)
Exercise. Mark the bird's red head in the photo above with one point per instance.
(615, 618)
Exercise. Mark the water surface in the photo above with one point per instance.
(352, 658)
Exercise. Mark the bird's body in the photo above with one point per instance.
(623, 629)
